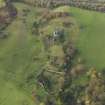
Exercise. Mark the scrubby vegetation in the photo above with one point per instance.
(48, 55)
(7, 14)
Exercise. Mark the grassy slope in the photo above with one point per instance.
(16, 59)
(19, 49)
(92, 36)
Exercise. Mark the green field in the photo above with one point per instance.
(16, 60)
(18, 50)
(17, 57)
(91, 40)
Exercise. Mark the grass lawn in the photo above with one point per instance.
(91, 40)
(11, 95)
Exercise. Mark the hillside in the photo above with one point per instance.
(50, 54)
(22, 56)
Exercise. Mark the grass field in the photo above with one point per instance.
(18, 50)
(91, 40)
(17, 53)
(2, 3)
(16, 60)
